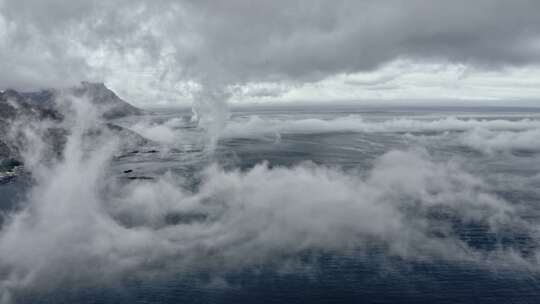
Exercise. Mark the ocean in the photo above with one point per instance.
(312, 204)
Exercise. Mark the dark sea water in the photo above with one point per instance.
(472, 153)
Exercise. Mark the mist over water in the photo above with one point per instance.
(295, 201)
(287, 181)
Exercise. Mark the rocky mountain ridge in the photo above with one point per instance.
(108, 103)
(16, 108)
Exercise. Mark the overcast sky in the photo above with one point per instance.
(162, 52)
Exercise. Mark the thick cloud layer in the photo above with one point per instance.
(217, 43)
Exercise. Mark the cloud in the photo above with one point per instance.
(237, 42)
(78, 214)
(255, 126)
(156, 132)
(408, 82)
(489, 141)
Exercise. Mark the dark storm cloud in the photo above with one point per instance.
(238, 41)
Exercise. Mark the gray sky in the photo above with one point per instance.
(162, 52)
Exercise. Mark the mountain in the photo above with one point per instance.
(41, 105)
(110, 105)
(106, 100)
